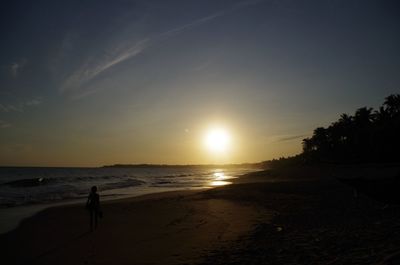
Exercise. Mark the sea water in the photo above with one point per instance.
(27, 190)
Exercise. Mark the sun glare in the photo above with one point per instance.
(217, 140)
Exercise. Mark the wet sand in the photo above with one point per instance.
(301, 216)
(165, 228)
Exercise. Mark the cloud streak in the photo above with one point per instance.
(93, 68)
(190, 25)
(209, 18)
(21, 106)
(4, 125)
(16, 67)
(290, 137)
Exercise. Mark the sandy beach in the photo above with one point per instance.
(301, 216)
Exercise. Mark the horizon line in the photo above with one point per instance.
(135, 165)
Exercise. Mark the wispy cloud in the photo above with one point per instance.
(20, 106)
(9, 108)
(285, 138)
(16, 67)
(4, 125)
(209, 18)
(92, 68)
(190, 25)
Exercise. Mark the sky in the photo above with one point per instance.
(90, 83)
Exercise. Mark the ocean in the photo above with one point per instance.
(26, 190)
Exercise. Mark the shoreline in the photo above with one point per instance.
(183, 223)
(12, 217)
(264, 217)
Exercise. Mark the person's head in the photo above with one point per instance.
(93, 189)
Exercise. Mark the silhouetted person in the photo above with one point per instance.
(93, 205)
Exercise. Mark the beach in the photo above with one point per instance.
(230, 132)
(300, 216)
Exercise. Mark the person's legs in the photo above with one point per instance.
(96, 214)
(92, 213)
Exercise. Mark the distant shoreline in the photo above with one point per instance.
(183, 166)
(256, 165)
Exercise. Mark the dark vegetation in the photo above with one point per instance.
(369, 136)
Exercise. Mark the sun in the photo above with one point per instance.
(217, 140)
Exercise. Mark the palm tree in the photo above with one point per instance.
(345, 119)
(321, 142)
(363, 133)
(363, 117)
(308, 145)
(392, 104)
(391, 128)
(346, 124)
(381, 116)
(367, 136)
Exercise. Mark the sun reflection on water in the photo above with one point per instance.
(220, 183)
(219, 178)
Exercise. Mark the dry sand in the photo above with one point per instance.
(265, 218)
(165, 228)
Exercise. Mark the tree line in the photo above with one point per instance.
(367, 136)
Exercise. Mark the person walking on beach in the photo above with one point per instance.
(93, 205)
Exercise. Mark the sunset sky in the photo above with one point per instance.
(88, 83)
